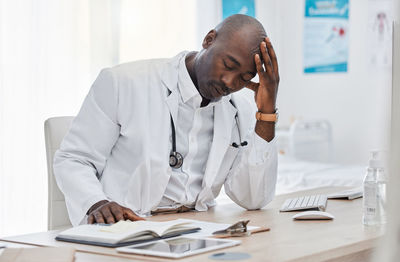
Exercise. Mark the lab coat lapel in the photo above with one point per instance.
(172, 103)
(170, 80)
(223, 121)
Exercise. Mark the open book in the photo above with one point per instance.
(125, 233)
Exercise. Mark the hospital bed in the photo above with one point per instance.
(305, 150)
(297, 175)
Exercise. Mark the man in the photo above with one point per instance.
(166, 134)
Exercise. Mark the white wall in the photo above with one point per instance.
(209, 14)
(356, 103)
(155, 29)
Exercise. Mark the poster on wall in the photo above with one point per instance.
(326, 36)
(380, 19)
(244, 7)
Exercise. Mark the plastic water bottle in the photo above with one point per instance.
(374, 196)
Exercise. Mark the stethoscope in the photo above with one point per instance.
(244, 143)
(176, 158)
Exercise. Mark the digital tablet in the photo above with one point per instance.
(178, 247)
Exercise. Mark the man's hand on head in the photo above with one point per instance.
(266, 90)
(110, 212)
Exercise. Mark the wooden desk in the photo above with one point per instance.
(341, 239)
(79, 255)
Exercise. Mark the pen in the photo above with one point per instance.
(259, 230)
(248, 233)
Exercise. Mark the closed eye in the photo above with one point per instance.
(244, 80)
(247, 79)
(226, 66)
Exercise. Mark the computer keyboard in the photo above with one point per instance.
(314, 202)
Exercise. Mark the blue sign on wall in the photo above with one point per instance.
(326, 36)
(231, 7)
(331, 8)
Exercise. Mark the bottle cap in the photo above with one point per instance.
(376, 161)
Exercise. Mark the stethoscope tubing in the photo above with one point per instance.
(176, 158)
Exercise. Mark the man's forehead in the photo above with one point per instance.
(244, 60)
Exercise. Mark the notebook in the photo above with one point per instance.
(125, 233)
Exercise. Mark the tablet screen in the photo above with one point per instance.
(179, 245)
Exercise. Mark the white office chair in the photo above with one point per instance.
(55, 129)
(311, 140)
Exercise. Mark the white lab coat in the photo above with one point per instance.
(119, 144)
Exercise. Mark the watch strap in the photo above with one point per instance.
(267, 117)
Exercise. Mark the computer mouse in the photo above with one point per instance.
(313, 215)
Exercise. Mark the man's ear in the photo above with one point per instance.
(209, 39)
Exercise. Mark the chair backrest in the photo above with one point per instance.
(311, 140)
(55, 129)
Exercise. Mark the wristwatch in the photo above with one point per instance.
(268, 117)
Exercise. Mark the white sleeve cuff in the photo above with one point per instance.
(85, 208)
(262, 149)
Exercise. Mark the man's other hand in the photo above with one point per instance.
(110, 212)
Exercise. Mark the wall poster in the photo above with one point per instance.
(326, 36)
(380, 19)
(244, 7)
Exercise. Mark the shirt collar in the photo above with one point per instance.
(185, 84)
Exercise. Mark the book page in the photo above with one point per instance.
(139, 226)
(121, 226)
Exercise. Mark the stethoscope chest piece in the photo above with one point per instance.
(175, 159)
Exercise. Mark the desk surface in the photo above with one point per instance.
(79, 256)
(341, 239)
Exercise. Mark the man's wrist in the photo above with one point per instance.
(269, 108)
(95, 206)
(265, 130)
